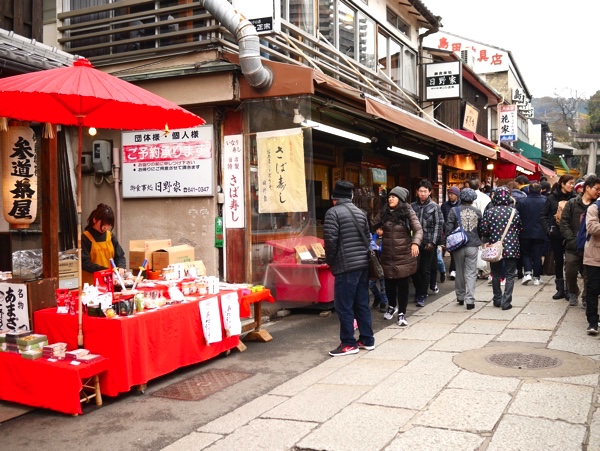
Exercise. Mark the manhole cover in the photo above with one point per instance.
(201, 385)
(520, 360)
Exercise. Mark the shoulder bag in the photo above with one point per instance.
(493, 252)
(458, 238)
(375, 269)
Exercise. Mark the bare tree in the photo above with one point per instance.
(569, 109)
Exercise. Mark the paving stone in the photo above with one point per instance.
(594, 437)
(242, 415)
(317, 403)
(553, 400)
(462, 342)
(406, 390)
(571, 328)
(470, 380)
(363, 372)
(525, 336)
(576, 315)
(472, 411)
(424, 331)
(358, 427)
(193, 442)
(491, 312)
(455, 308)
(518, 433)
(535, 321)
(581, 344)
(264, 434)
(306, 379)
(588, 379)
(448, 317)
(431, 439)
(482, 326)
(385, 334)
(546, 308)
(398, 349)
(432, 362)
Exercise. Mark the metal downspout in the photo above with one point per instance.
(258, 76)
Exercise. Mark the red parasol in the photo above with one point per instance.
(86, 97)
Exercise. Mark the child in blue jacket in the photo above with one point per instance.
(380, 298)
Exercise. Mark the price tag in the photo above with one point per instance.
(75, 363)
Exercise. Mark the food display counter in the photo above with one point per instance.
(143, 346)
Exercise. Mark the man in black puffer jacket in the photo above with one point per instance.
(345, 230)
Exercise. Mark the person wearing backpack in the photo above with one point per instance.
(562, 191)
(570, 222)
(532, 237)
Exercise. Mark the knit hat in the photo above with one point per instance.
(400, 193)
(454, 190)
(343, 190)
(579, 183)
(468, 195)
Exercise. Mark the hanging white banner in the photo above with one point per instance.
(281, 176)
(233, 182)
(14, 306)
(210, 316)
(230, 306)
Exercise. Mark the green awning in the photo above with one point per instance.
(529, 151)
(564, 164)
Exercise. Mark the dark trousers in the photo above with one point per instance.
(592, 291)
(558, 249)
(509, 265)
(351, 301)
(531, 250)
(397, 293)
(421, 277)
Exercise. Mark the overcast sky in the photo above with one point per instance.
(553, 43)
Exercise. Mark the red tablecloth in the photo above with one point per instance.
(246, 301)
(140, 347)
(40, 383)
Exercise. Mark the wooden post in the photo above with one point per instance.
(49, 188)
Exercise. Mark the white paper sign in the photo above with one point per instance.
(233, 182)
(230, 306)
(179, 163)
(211, 320)
(14, 306)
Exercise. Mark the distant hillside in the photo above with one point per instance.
(546, 109)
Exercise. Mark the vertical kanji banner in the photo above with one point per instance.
(233, 182)
(281, 177)
(14, 307)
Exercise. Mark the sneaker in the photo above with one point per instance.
(592, 330)
(364, 346)
(526, 279)
(435, 290)
(452, 275)
(421, 301)
(537, 281)
(502, 282)
(442, 277)
(573, 301)
(343, 350)
(391, 311)
(401, 320)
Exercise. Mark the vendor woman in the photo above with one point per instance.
(99, 245)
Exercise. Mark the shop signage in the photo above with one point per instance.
(19, 176)
(281, 176)
(457, 177)
(379, 176)
(443, 80)
(210, 317)
(549, 142)
(230, 307)
(507, 123)
(265, 15)
(523, 103)
(471, 117)
(14, 306)
(176, 163)
(233, 182)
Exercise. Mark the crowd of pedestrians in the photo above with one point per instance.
(535, 222)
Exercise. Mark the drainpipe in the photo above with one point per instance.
(258, 76)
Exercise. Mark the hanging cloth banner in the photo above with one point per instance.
(281, 177)
(210, 316)
(230, 306)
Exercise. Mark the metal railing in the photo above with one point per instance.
(134, 30)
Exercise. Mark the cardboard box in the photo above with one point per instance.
(143, 249)
(70, 283)
(169, 255)
(198, 264)
(68, 267)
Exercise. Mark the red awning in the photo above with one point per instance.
(517, 160)
(480, 139)
(545, 171)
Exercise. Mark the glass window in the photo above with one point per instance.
(346, 30)
(409, 71)
(300, 13)
(395, 72)
(366, 41)
(382, 52)
(327, 20)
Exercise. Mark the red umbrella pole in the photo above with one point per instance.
(80, 306)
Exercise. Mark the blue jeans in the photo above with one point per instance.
(378, 293)
(510, 266)
(351, 301)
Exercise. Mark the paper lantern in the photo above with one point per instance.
(19, 176)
